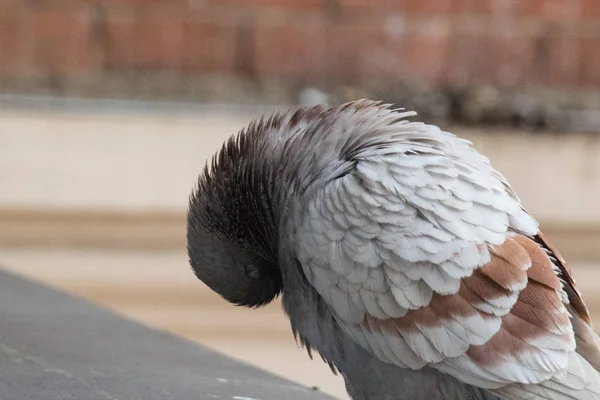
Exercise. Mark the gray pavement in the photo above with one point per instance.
(54, 346)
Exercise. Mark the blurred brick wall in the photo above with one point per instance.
(106, 46)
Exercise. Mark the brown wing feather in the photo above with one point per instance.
(519, 288)
(567, 276)
(587, 340)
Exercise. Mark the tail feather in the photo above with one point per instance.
(588, 343)
(582, 378)
(582, 382)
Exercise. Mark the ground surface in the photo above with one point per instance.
(54, 346)
(158, 289)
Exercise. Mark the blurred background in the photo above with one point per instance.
(110, 108)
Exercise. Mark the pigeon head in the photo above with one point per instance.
(239, 275)
(231, 225)
(244, 205)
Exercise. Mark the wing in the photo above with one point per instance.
(427, 258)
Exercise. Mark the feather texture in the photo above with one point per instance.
(427, 258)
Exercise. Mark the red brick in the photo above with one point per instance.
(12, 42)
(464, 57)
(491, 7)
(168, 7)
(430, 7)
(171, 4)
(510, 58)
(441, 8)
(140, 5)
(10, 5)
(463, 6)
(355, 52)
(590, 61)
(590, 8)
(63, 42)
(54, 5)
(291, 4)
(427, 52)
(345, 41)
(382, 5)
(554, 10)
(503, 58)
(208, 46)
(390, 52)
(360, 11)
(289, 50)
(560, 62)
(141, 40)
(436, 8)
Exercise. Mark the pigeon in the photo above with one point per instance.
(401, 256)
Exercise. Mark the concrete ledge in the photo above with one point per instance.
(147, 161)
(55, 346)
(101, 229)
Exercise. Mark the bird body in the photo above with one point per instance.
(402, 257)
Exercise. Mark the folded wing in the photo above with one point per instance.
(427, 258)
